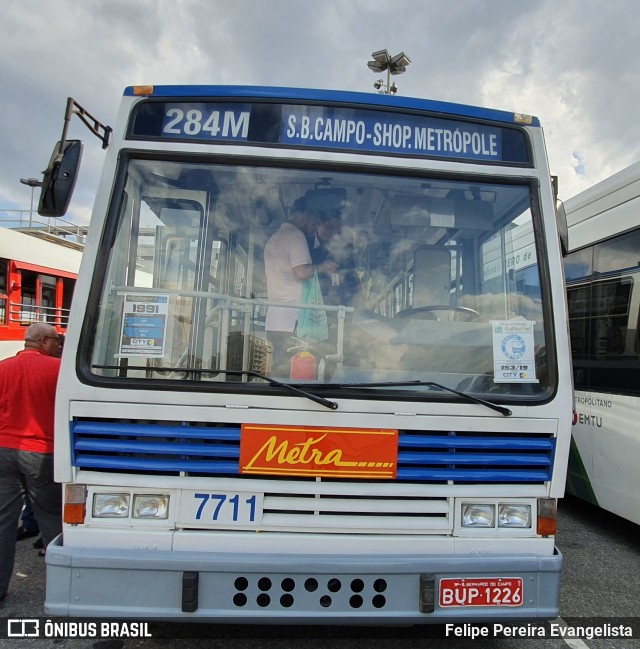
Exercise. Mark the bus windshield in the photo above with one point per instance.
(415, 273)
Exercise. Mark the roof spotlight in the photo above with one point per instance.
(382, 62)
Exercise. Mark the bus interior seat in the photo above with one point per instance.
(431, 282)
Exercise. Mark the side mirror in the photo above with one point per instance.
(561, 219)
(563, 229)
(60, 179)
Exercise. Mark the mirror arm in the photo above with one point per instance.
(100, 130)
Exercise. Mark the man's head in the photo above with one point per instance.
(44, 337)
(304, 220)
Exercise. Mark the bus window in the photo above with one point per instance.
(617, 254)
(68, 286)
(194, 252)
(48, 309)
(578, 264)
(28, 303)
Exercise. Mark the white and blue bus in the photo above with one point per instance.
(603, 284)
(404, 468)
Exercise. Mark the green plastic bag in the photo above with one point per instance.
(312, 323)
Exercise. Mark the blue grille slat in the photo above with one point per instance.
(454, 441)
(153, 430)
(472, 458)
(472, 475)
(165, 448)
(153, 464)
(214, 450)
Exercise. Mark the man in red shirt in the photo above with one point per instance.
(27, 396)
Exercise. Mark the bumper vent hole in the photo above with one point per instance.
(263, 600)
(264, 584)
(379, 601)
(379, 585)
(288, 585)
(240, 599)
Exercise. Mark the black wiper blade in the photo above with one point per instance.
(467, 397)
(332, 405)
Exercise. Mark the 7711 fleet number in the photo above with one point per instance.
(209, 509)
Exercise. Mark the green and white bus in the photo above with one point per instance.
(603, 284)
(404, 467)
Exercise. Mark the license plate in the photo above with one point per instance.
(220, 509)
(489, 591)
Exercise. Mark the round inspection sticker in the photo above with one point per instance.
(514, 346)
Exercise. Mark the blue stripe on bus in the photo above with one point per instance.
(154, 464)
(469, 475)
(501, 459)
(330, 96)
(154, 430)
(166, 448)
(455, 441)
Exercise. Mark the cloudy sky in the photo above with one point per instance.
(573, 63)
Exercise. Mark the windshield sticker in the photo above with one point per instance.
(513, 351)
(144, 325)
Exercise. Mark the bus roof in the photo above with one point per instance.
(339, 96)
(606, 209)
(28, 249)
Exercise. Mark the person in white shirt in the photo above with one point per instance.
(287, 264)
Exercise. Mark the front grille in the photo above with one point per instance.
(403, 508)
(440, 457)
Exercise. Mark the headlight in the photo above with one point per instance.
(150, 506)
(110, 505)
(514, 516)
(475, 515)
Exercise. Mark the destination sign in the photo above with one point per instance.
(389, 132)
(329, 127)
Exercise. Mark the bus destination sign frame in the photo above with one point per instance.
(330, 127)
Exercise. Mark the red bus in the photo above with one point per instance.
(37, 279)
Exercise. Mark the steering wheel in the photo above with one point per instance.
(417, 311)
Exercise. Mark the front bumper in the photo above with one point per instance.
(299, 589)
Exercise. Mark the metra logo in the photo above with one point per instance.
(319, 452)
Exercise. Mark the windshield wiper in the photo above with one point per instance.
(332, 405)
(467, 397)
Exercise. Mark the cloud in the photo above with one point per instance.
(579, 163)
(573, 64)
